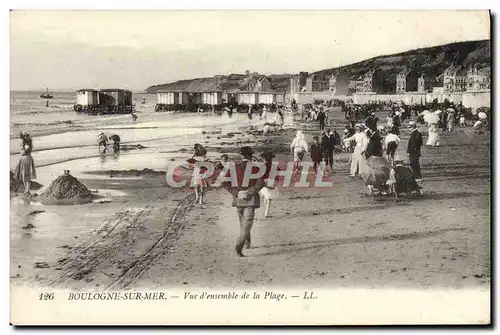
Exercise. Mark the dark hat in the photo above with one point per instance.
(199, 150)
(246, 151)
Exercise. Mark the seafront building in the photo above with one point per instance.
(470, 87)
(478, 80)
(408, 85)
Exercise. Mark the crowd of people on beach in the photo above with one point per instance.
(373, 147)
(371, 144)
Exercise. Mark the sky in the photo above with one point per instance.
(69, 50)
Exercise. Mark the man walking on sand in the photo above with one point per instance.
(414, 145)
(246, 198)
(321, 118)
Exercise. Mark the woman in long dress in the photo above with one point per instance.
(25, 169)
(433, 139)
(451, 121)
(280, 118)
(357, 158)
(299, 148)
(264, 113)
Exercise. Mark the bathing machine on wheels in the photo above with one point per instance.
(87, 101)
(105, 101)
(115, 101)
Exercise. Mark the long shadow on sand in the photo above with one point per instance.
(454, 166)
(383, 202)
(430, 195)
(348, 210)
(447, 196)
(439, 177)
(345, 241)
(463, 145)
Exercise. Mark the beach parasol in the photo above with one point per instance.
(431, 118)
(482, 115)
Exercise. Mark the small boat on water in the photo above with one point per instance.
(46, 95)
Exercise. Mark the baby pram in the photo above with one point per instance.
(380, 176)
(402, 180)
(375, 172)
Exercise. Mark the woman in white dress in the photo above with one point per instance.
(299, 148)
(433, 139)
(389, 122)
(264, 113)
(358, 159)
(313, 114)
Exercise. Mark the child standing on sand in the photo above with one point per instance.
(268, 192)
(462, 121)
(199, 183)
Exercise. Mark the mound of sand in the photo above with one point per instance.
(66, 188)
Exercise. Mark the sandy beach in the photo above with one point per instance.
(141, 233)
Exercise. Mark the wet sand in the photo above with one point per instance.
(152, 236)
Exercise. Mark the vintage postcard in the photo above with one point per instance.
(250, 167)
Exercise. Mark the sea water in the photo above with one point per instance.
(65, 140)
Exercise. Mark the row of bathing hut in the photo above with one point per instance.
(119, 101)
(105, 101)
(167, 100)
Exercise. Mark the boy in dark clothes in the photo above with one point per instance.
(316, 152)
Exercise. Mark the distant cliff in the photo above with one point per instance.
(230, 83)
(431, 62)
